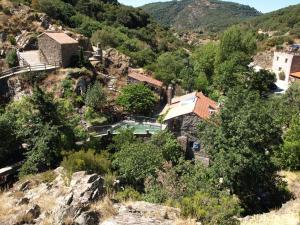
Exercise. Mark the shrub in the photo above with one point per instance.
(12, 39)
(138, 160)
(128, 193)
(211, 209)
(282, 76)
(95, 96)
(33, 77)
(89, 161)
(12, 58)
(137, 99)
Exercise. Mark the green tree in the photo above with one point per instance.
(169, 146)
(95, 96)
(260, 81)
(288, 157)
(240, 142)
(10, 145)
(204, 59)
(40, 126)
(12, 59)
(137, 161)
(169, 66)
(137, 99)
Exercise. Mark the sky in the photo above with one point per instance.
(261, 5)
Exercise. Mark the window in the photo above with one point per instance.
(277, 58)
(279, 68)
(286, 60)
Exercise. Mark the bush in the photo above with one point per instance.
(12, 58)
(95, 96)
(88, 161)
(33, 77)
(211, 209)
(128, 193)
(137, 161)
(137, 99)
(282, 76)
(12, 39)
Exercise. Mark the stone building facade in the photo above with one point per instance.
(57, 48)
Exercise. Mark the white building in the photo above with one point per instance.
(285, 64)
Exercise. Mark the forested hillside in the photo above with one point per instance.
(199, 15)
(283, 20)
(111, 24)
(276, 29)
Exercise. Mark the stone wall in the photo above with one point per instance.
(68, 51)
(189, 127)
(50, 50)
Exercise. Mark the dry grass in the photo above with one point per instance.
(47, 221)
(105, 208)
(187, 221)
(46, 202)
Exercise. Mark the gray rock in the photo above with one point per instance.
(88, 218)
(34, 211)
(23, 201)
(24, 186)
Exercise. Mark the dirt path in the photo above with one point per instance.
(288, 214)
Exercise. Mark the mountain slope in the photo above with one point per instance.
(199, 15)
(283, 20)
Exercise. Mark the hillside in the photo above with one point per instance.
(283, 20)
(276, 30)
(199, 15)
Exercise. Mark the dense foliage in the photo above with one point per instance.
(111, 24)
(209, 16)
(88, 161)
(12, 58)
(137, 99)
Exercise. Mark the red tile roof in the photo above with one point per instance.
(204, 106)
(144, 78)
(296, 74)
(195, 102)
(61, 38)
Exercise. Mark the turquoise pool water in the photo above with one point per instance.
(139, 128)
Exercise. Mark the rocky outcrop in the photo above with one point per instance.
(27, 41)
(58, 200)
(116, 63)
(75, 201)
(143, 213)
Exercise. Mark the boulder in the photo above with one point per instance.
(27, 41)
(88, 218)
(34, 211)
(116, 63)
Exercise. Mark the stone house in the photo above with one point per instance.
(57, 48)
(183, 114)
(140, 76)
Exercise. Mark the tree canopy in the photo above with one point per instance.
(137, 99)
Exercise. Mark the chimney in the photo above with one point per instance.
(98, 53)
(169, 94)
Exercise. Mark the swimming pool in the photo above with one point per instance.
(139, 128)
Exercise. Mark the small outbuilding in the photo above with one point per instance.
(57, 48)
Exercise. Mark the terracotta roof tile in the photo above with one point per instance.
(61, 38)
(204, 106)
(194, 102)
(144, 78)
(296, 74)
